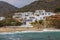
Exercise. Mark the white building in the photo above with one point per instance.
(2, 18)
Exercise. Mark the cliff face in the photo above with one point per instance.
(48, 5)
(6, 8)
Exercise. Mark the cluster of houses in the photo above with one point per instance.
(29, 17)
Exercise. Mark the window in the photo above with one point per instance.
(26, 15)
(42, 13)
(45, 13)
(43, 17)
(48, 13)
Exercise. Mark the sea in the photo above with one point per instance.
(31, 36)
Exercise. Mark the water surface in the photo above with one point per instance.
(31, 36)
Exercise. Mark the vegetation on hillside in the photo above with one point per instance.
(48, 5)
(10, 22)
(38, 24)
(57, 10)
(53, 22)
(50, 22)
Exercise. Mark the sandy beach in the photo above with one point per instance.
(9, 29)
(25, 30)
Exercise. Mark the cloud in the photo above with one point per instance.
(19, 3)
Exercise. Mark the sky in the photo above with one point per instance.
(19, 3)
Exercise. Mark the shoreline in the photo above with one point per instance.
(45, 30)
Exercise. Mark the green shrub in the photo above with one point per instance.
(10, 22)
(40, 21)
(1, 24)
(57, 10)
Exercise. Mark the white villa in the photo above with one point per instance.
(2, 18)
(29, 17)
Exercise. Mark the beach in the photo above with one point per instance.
(11, 29)
(25, 30)
(27, 34)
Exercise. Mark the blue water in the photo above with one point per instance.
(31, 36)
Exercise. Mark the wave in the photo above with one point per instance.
(28, 31)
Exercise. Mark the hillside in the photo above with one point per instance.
(48, 5)
(6, 9)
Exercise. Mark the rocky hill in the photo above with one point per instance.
(6, 9)
(48, 5)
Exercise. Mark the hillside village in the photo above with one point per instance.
(37, 20)
(29, 17)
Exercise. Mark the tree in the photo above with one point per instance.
(1, 24)
(41, 21)
(57, 10)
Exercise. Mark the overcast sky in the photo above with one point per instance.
(19, 3)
